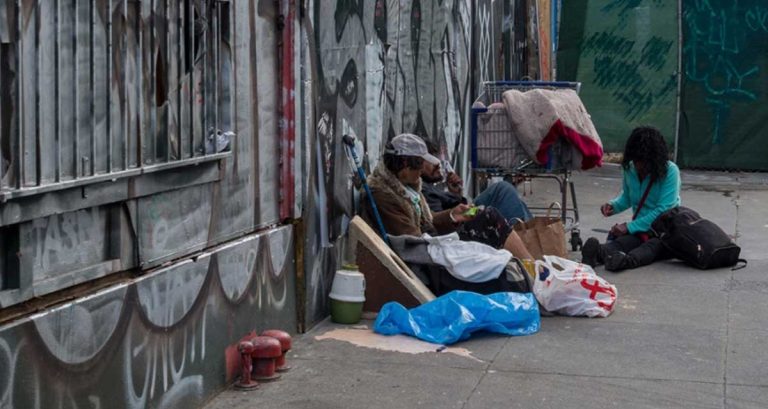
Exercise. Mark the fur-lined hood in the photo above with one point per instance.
(385, 182)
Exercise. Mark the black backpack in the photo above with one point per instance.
(695, 240)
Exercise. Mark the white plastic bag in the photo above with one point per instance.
(569, 288)
(467, 260)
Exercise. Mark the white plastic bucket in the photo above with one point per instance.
(348, 286)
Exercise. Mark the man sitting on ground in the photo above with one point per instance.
(396, 187)
(501, 196)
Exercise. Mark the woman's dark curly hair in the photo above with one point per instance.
(397, 163)
(646, 144)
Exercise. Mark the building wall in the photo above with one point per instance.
(195, 235)
(104, 170)
(166, 340)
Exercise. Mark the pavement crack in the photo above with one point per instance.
(737, 232)
(485, 372)
(727, 333)
(592, 376)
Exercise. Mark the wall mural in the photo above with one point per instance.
(724, 55)
(165, 340)
(383, 67)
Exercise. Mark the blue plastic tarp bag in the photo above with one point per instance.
(453, 317)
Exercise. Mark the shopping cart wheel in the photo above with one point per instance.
(576, 240)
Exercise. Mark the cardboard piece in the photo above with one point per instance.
(387, 277)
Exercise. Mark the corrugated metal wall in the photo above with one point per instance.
(107, 87)
(106, 106)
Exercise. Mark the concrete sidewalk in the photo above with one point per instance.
(679, 338)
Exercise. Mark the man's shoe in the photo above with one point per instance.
(619, 261)
(590, 252)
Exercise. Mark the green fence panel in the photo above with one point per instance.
(724, 121)
(625, 53)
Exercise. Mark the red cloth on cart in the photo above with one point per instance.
(591, 150)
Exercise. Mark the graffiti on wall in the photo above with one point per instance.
(625, 54)
(718, 56)
(374, 81)
(156, 342)
(625, 68)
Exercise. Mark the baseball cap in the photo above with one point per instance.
(408, 144)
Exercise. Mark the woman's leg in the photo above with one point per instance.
(625, 243)
(642, 255)
(487, 227)
(491, 228)
(514, 244)
(504, 197)
(593, 253)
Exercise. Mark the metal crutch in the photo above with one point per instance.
(349, 141)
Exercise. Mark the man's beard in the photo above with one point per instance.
(431, 179)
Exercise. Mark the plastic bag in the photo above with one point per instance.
(467, 260)
(569, 288)
(455, 316)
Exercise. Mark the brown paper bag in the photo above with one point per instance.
(530, 238)
(544, 235)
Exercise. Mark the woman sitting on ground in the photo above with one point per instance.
(651, 186)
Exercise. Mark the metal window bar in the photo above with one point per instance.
(179, 69)
(152, 108)
(2, 101)
(75, 138)
(19, 94)
(167, 65)
(76, 36)
(108, 85)
(141, 134)
(91, 30)
(38, 142)
(189, 8)
(57, 92)
(124, 102)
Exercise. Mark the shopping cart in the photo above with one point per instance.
(496, 151)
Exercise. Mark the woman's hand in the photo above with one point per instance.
(458, 213)
(606, 209)
(619, 230)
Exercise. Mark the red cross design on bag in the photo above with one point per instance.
(595, 288)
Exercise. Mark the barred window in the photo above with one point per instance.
(93, 90)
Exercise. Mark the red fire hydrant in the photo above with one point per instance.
(265, 351)
(245, 382)
(285, 345)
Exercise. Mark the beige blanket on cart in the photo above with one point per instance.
(540, 117)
